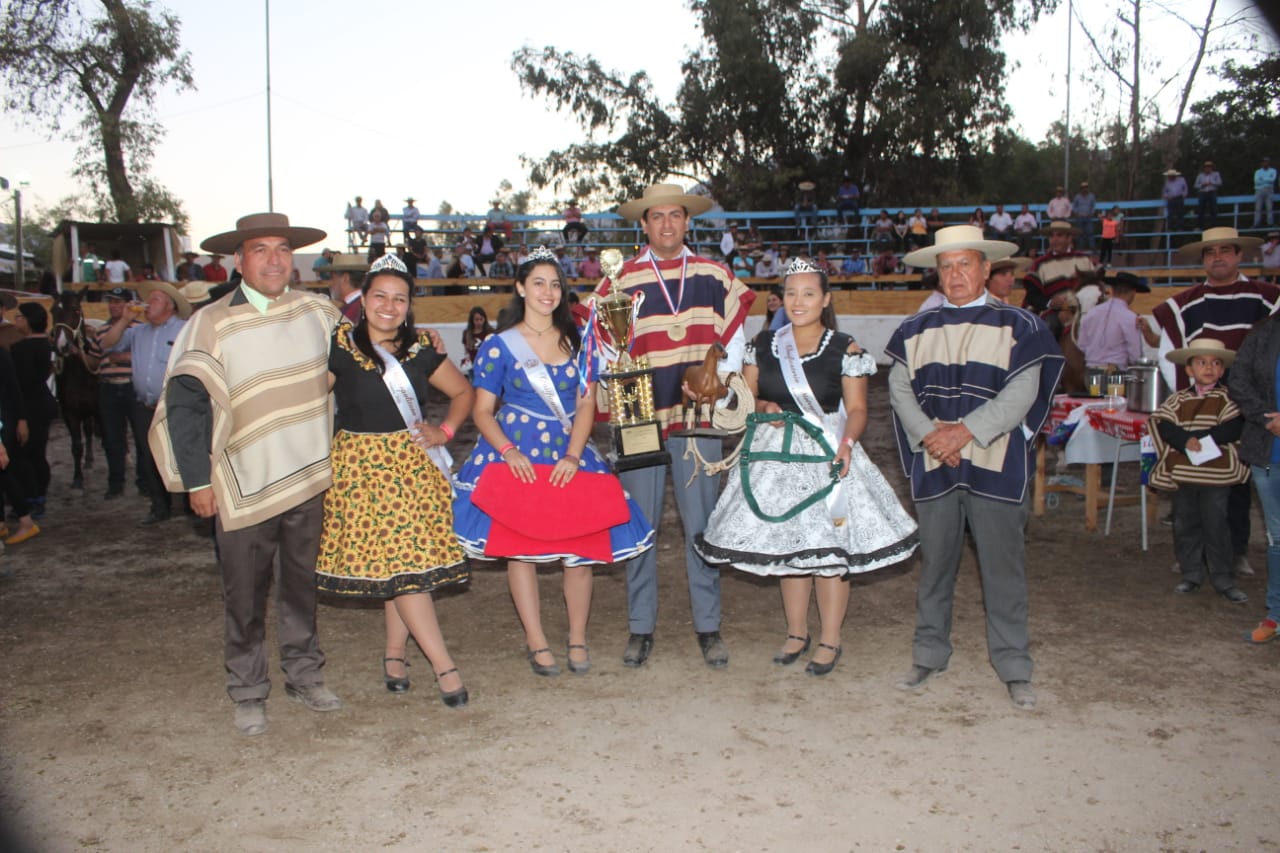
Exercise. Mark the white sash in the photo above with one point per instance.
(397, 382)
(539, 378)
(802, 392)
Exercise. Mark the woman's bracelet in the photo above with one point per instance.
(447, 430)
(502, 451)
(576, 460)
(848, 442)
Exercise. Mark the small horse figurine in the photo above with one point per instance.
(702, 387)
(77, 386)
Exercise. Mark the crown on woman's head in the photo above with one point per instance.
(388, 262)
(800, 265)
(542, 253)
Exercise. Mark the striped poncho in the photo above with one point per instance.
(713, 307)
(1199, 415)
(267, 380)
(957, 360)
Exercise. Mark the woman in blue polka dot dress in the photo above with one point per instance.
(542, 431)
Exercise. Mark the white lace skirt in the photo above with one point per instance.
(875, 530)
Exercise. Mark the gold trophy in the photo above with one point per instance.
(637, 435)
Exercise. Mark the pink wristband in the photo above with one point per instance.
(847, 441)
(502, 451)
(447, 430)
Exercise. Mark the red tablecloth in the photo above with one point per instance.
(1063, 405)
(1122, 424)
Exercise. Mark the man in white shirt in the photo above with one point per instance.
(1000, 223)
(409, 219)
(357, 221)
(1059, 206)
(118, 271)
(1024, 229)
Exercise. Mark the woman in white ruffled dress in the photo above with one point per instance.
(805, 503)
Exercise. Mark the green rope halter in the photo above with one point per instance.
(790, 421)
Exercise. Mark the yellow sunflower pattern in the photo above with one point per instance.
(388, 520)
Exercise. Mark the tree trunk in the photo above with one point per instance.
(117, 175)
(1135, 105)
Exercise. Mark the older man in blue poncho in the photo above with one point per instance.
(971, 384)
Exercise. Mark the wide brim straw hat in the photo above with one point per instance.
(347, 263)
(262, 225)
(196, 292)
(1020, 266)
(1218, 237)
(146, 288)
(1059, 225)
(1202, 346)
(958, 238)
(657, 194)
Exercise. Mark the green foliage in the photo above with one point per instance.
(785, 90)
(109, 68)
(1236, 127)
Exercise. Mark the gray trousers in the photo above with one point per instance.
(246, 557)
(999, 536)
(647, 486)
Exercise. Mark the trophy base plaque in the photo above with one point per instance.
(638, 446)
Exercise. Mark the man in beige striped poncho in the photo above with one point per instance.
(244, 427)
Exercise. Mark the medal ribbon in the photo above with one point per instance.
(539, 378)
(684, 266)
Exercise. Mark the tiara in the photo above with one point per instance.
(542, 253)
(391, 262)
(800, 265)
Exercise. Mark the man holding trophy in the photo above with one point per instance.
(683, 304)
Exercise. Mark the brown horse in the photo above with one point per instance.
(703, 387)
(77, 386)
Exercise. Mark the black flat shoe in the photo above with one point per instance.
(575, 667)
(788, 658)
(815, 668)
(545, 670)
(454, 698)
(395, 685)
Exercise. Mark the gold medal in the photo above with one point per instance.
(676, 333)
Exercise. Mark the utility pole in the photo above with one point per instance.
(271, 205)
(19, 263)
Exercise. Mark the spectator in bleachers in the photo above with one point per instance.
(729, 244)
(806, 208)
(379, 207)
(147, 273)
(590, 265)
(1208, 182)
(744, 266)
(521, 255)
(409, 219)
(575, 230)
(853, 265)
(379, 231)
(824, 263)
(466, 241)
(118, 271)
(1059, 206)
(901, 228)
(319, 267)
(935, 222)
(502, 268)
(497, 218)
(767, 265)
(1112, 231)
(415, 260)
(478, 328)
(357, 222)
(488, 248)
(772, 305)
(783, 256)
(882, 231)
(1174, 194)
(1264, 189)
(435, 264)
(567, 265)
(918, 230)
(849, 201)
(1024, 230)
(1000, 225)
(978, 220)
(1083, 209)
(885, 263)
(753, 240)
(463, 266)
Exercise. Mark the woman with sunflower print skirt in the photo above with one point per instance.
(388, 520)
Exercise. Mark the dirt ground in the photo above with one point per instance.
(1156, 728)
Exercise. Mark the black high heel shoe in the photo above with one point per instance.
(788, 658)
(545, 670)
(575, 667)
(454, 698)
(395, 685)
(814, 668)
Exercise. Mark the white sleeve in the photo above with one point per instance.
(1167, 368)
(735, 349)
